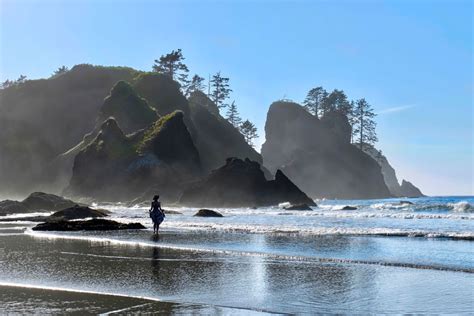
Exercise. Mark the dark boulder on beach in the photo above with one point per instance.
(36, 201)
(71, 213)
(317, 154)
(349, 208)
(78, 212)
(208, 213)
(93, 224)
(47, 202)
(299, 207)
(12, 207)
(241, 183)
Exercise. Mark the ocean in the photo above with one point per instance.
(387, 256)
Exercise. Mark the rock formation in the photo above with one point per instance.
(128, 108)
(93, 224)
(215, 138)
(36, 201)
(407, 189)
(41, 119)
(390, 176)
(115, 166)
(241, 183)
(317, 155)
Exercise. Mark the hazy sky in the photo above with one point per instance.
(412, 60)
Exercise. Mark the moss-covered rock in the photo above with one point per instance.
(115, 166)
(161, 92)
(128, 108)
(170, 141)
(41, 119)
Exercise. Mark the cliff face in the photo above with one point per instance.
(128, 108)
(241, 183)
(43, 118)
(119, 167)
(215, 138)
(406, 189)
(317, 155)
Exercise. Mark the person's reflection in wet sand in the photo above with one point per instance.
(155, 256)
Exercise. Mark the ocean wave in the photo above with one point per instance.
(317, 231)
(263, 255)
(462, 206)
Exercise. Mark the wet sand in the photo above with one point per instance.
(180, 280)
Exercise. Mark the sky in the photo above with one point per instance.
(412, 60)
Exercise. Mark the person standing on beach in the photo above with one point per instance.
(156, 213)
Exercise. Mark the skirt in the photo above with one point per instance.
(157, 217)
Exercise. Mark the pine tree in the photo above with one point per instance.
(314, 101)
(59, 71)
(351, 119)
(7, 83)
(233, 115)
(172, 65)
(337, 101)
(249, 131)
(196, 84)
(364, 123)
(220, 90)
(20, 79)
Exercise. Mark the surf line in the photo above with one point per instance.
(72, 290)
(270, 256)
(147, 298)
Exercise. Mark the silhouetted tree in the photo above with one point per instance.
(314, 101)
(59, 71)
(172, 65)
(351, 119)
(196, 84)
(364, 123)
(20, 79)
(337, 101)
(249, 131)
(220, 90)
(233, 115)
(7, 83)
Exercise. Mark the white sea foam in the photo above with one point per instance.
(462, 206)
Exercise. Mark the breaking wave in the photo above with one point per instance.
(462, 206)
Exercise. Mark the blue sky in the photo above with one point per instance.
(412, 60)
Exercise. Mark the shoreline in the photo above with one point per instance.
(45, 298)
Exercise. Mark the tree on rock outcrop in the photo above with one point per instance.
(314, 101)
(196, 84)
(337, 101)
(10, 83)
(233, 115)
(61, 70)
(220, 90)
(364, 123)
(249, 131)
(172, 65)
